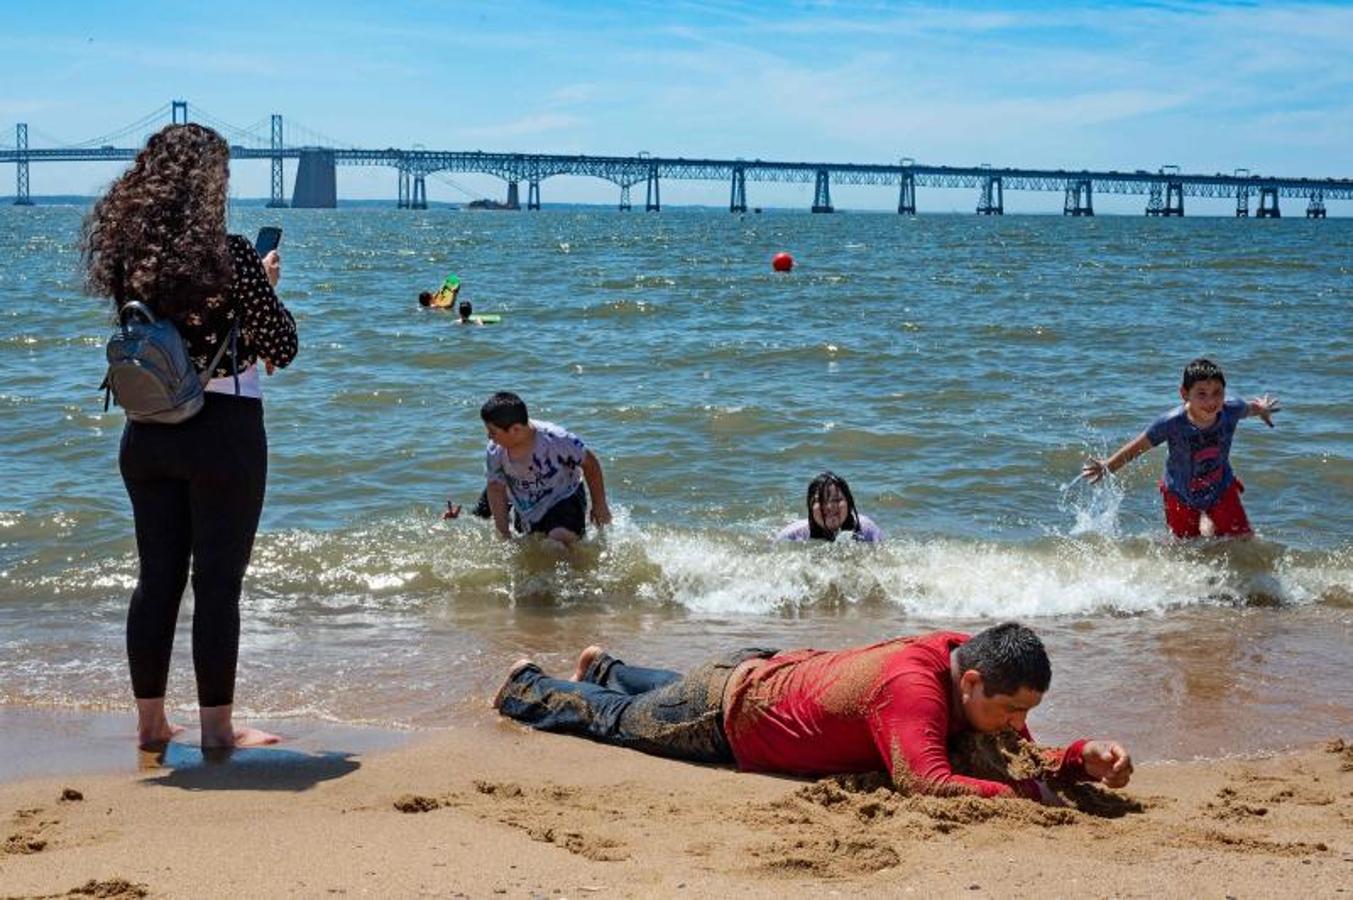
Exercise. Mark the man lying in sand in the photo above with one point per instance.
(892, 706)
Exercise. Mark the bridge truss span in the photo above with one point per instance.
(1166, 187)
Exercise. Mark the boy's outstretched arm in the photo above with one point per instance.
(1096, 469)
(1264, 407)
(600, 513)
(498, 505)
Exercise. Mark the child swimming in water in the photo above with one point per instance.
(444, 297)
(831, 510)
(465, 310)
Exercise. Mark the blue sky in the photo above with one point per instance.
(1210, 87)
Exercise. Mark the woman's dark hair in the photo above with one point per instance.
(425, 298)
(503, 410)
(815, 489)
(1202, 369)
(1008, 657)
(465, 308)
(160, 228)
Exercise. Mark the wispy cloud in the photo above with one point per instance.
(1264, 84)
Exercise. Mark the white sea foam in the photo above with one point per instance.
(411, 563)
(718, 574)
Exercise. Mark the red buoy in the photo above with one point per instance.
(782, 262)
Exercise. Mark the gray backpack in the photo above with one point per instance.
(150, 374)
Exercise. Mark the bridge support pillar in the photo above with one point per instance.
(403, 201)
(737, 197)
(316, 180)
(1155, 203)
(533, 194)
(419, 198)
(992, 201)
(278, 196)
(1268, 204)
(822, 193)
(513, 195)
(625, 198)
(1242, 202)
(906, 195)
(21, 197)
(1316, 208)
(178, 112)
(1079, 198)
(1174, 198)
(652, 202)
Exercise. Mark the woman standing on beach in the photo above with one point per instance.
(158, 236)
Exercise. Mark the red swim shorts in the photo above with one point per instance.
(1228, 515)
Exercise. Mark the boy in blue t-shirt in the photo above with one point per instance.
(1201, 493)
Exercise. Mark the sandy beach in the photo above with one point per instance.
(493, 809)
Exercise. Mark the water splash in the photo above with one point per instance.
(1093, 507)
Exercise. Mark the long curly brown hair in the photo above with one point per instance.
(161, 225)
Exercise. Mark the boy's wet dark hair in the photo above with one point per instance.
(1202, 369)
(503, 410)
(425, 298)
(815, 489)
(465, 309)
(1008, 657)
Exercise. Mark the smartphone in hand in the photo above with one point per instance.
(269, 237)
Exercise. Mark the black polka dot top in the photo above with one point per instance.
(267, 329)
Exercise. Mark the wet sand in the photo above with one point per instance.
(48, 742)
(492, 809)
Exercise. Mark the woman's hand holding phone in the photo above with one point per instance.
(269, 237)
(266, 244)
(272, 266)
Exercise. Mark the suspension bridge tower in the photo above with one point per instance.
(278, 197)
(21, 197)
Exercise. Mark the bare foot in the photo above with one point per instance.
(219, 731)
(585, 661)
(507, 682)
(157, 735)
(152, 725)
(242, 736)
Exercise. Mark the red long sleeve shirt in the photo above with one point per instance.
(888, 706)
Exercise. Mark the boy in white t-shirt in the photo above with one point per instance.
(539, 468)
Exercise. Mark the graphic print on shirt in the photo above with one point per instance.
(1208, 468)
(552, 474)
(1198, 469)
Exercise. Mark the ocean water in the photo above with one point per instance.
(955, 369)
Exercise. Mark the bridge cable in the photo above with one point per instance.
(154, 117)
(320, 139)
(233, 133)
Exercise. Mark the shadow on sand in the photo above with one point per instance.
(253, 769)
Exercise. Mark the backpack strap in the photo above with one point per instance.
(234, 363)
(119, 299)
(229, 343)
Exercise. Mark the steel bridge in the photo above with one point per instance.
(1165, 188)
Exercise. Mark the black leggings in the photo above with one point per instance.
(197, 491)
